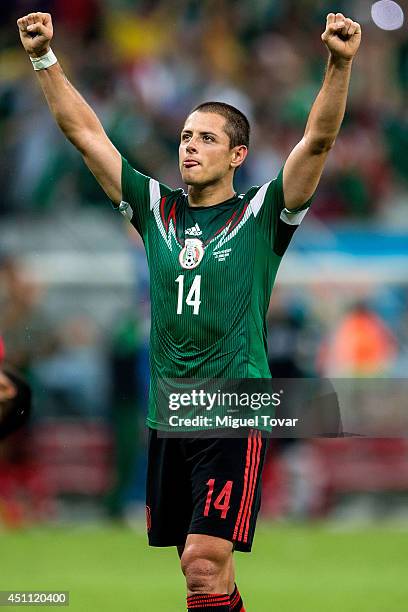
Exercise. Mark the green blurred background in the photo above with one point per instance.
(294, 568)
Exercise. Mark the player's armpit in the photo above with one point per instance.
(105, 163)
(302, 172)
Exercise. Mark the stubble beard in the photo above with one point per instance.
(203, 182)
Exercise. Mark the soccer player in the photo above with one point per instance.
(213, 257)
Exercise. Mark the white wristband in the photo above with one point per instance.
(45, 61)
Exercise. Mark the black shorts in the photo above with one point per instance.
(208, 486)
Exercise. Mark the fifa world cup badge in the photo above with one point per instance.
(191, 254)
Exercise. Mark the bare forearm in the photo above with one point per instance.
(72, 113)
(74, 116)
(328, 110)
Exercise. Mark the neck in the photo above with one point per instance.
(209, 195)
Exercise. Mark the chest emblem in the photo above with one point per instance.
(191, 254)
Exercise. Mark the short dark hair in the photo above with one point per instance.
(16, 411)
(237, 125)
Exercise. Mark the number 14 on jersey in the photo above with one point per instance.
(193, 296)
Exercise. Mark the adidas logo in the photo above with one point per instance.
(193, 231)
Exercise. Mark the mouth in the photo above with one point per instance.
(190, 163)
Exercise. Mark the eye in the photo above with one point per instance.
(185, 137)
(208, 138)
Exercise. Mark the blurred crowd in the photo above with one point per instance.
(143, 64)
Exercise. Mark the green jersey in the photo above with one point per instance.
(212, 269)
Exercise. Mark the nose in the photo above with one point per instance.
(191, 146)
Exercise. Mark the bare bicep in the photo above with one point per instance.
(302, 173)
(105, 163)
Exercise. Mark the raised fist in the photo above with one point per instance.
(36, 32)
(342, 36)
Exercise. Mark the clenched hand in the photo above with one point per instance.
(36, 32)
(342, 36)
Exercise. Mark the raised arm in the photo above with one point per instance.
(74, 116)
(304, 166)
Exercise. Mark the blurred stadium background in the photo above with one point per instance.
(74, 309)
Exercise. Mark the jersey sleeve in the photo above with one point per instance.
(139, 195)
(277, 223)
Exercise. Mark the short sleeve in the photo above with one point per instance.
(277, 223)
(139, 195)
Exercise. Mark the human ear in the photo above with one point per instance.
(239, 155)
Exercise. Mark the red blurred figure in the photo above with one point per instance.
(362, 346)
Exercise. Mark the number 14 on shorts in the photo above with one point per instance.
(222, 502)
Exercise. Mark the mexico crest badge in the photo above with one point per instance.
(191, 254)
